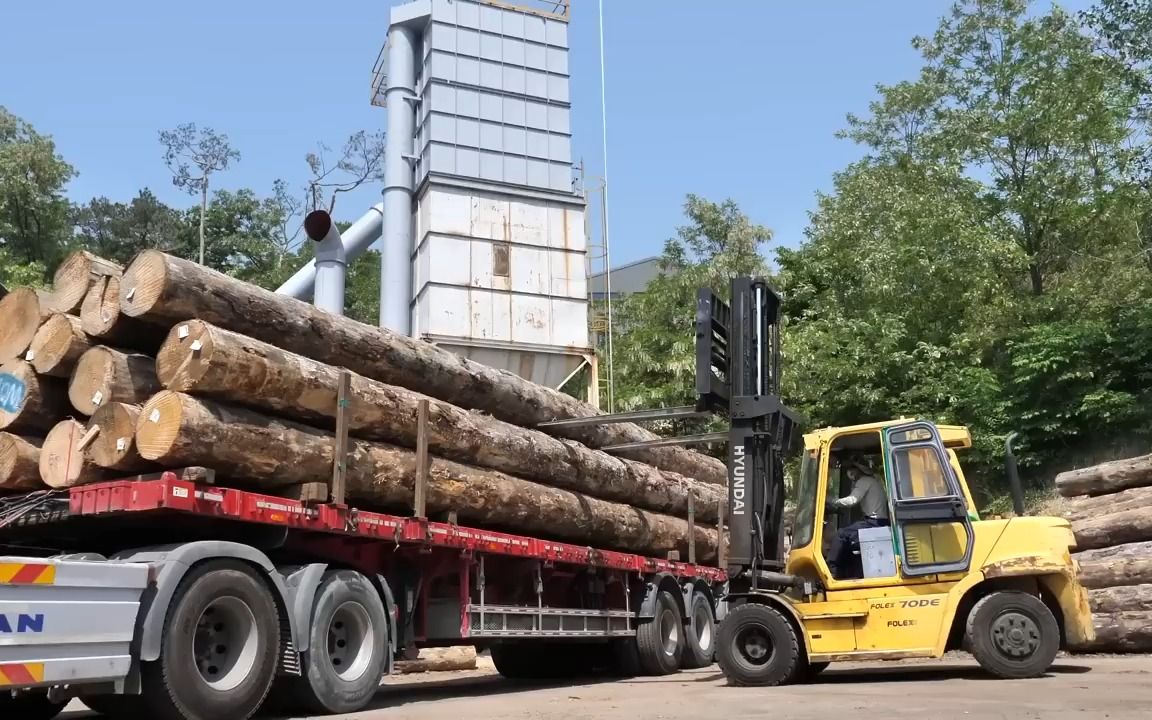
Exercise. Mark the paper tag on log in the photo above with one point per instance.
(130, 294)
(196, 345)
(155, 416)
(121, 444)
(29, 355)
(183, 332)
(97, 397)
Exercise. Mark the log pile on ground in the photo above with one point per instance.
(247, 382)
(448, 659)
(1110, 507)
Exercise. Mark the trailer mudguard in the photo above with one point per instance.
(656, 583)
(301, 584)
(174, 562)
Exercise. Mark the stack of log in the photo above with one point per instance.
(255, 384)
(1110, 507)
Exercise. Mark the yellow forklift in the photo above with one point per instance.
(927, 577)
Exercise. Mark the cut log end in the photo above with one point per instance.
(104, 375)
(29, 403)
(62, 463)
(20, 316)
(19, 462)
(143, 283)
(74, 277)
(114, 447)
(93, 318)
(58, 345)
(158, 425)
(185, 356)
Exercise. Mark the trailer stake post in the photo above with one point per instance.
(421, 500)
(340, 456)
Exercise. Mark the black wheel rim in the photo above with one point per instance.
(753, 646)
(1015, 635)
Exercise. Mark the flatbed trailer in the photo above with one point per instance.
(170, 597)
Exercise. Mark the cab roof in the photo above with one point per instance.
(953, 436)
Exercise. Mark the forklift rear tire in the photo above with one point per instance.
(1013, 635)
(661, 639)
(757, 646)
(700, 649)
(811, 671)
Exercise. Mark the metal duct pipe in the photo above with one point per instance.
(356, 240)
(396, 249)
(331, 267)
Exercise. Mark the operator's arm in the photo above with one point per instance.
(859, 489)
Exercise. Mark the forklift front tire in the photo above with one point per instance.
(757, 646)
(1013, 635)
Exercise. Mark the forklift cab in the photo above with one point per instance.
(930, 508)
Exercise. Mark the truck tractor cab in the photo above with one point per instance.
(923, 576)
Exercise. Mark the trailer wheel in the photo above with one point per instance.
(520, 660)
(661, 639)
(757, 645)
(700, 649)
(1013, 635)
(28, 706)
(625, 658)
(348, 645)
(221, 645)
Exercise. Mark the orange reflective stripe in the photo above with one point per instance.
(21, 674)
(27, 574)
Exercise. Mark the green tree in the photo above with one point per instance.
(33, 211)
(118, 231)
(654, 334)
(194, 156)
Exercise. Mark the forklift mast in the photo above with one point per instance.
(738, 377)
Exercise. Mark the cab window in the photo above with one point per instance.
(804, 526)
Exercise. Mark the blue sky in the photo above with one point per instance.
(723, 98)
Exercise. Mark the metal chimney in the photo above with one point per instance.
(331, 267)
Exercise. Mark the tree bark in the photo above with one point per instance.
(29, 403)
(58, 345)
(1126, 550)
(106, 375)
(74, 276)
(1116, 572)
(19, 462)
(101, 318)
(62, 463)
(1106, 478)
(114, 446)
(175, 429)
(1121, 632)
(1121, 599)
(21, 312)
(168, 290)
(1113, 529)
(236, 369)
(449, 659)
(1084, 508)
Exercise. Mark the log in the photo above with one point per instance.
(114, 446)
(101, 318)
(176, 429)
(1127, 550)
(1121, 599)
(207, 361)
(58, 345)
(1121, 571)
(62, 463)
(73, 277)
(449, 659)
(1083, 508)
(105, 375)
(1106, 478)
(19, 462)
(21, 312)
(168, 290)
(30, 403)
(1113, 529)
(1120, 632)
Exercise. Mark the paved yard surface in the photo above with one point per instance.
(1085, 688)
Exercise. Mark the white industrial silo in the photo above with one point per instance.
(490, 259)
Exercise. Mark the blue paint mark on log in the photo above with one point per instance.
(11, 393)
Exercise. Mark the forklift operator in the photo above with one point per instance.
(868, 493)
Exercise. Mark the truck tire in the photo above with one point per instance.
(700, 633)
(221, 646)
(114, 706)
(348, 645)
(1013, 635)
(661, 639)
(625, 658)
(520, 660)
(28, 706)
(757, 646)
